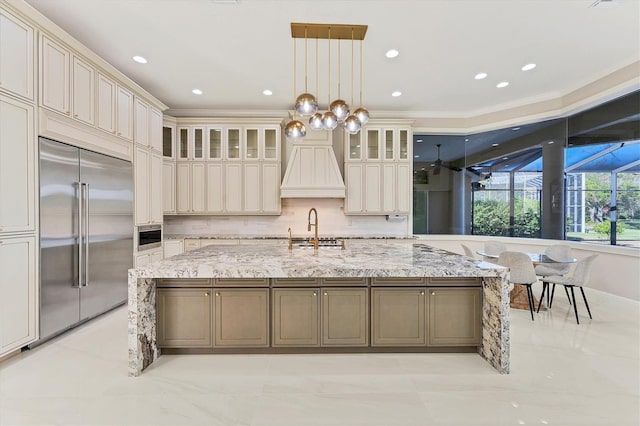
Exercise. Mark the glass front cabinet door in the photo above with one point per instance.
(215, 143)
(233, 144)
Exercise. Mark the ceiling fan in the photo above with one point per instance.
(438, 164)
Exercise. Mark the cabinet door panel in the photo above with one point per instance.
(241, 318)
(198, 188)
(17, 166)
(295, 317)
(83, 91)
(183, 187)
(355, 176)
(233, 187)
(124, 113)
(215, 188)
(251, 182)
(398, 317)
(345, 317)
(155, 183)
(106, 104)
(455, 316)
(16, 56)
(184, 318)
(141, 123)
(55, 76)
(271, 188)
(155, 129)
(142, 174)
(389, 187)
(18, 302)
(169, 187)
(372, 188)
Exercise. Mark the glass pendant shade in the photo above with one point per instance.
(352, 124)
(340, 108)
(295, 130)
(306, 105)
(329, 121)
(362, 114)
(316, 121)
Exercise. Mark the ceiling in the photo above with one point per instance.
(233, 51)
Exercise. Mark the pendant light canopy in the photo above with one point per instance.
(337, 110)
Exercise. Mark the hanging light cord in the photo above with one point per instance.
(352, 67)
(317, 91)
(294, 78)
(305, 60)
(329, 73)
(339, 69)
(360, 87)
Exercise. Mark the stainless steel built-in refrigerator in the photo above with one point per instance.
(86, 234)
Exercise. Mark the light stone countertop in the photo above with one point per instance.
(364, 258)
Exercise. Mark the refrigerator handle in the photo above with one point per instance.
(79, 243)
(86, 234)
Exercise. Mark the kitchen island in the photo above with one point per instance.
(385, 276)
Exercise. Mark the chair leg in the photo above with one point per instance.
(553, 290)
(568, 298)
(585, 302)
(530, 295)
(544, 289)
(575, 308)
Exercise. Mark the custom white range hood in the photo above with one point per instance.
(312, 170)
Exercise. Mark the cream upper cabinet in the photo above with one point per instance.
(141, 122)
(148, 182)
(54, 81)
(83, 90)
(270, 185)
(18, 290)
(233, 185)
(215, 188)
(252, 187)
(190, 187)
(16, 56)
(215, 136)
(169, 187)
(155, 129)
(251, 149)
(377, 171)
(233, 147)
(191, 143)
(17, 166)
(124, 113)
(106, 104)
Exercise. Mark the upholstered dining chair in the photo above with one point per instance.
(558, 253)
(521, 272)
(493, 248)
(579, 278)
(467, 251)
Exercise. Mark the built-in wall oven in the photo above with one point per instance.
(149, 237)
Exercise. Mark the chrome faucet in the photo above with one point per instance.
(315, 224)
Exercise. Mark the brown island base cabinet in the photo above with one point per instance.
(319, 315)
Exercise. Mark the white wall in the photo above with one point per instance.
(331, 218)
(615, 271)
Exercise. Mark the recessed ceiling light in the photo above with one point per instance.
(515, 128)
(196, 92)
(480, 76)
(267, 92)
(494, 144)
(528, 67)
(502, 84)
(396, 94)
(140, 59)
(419, 140)
(392, 53)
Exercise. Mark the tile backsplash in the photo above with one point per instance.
(331, 218)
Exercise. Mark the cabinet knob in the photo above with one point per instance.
(75, 115)
(433, 293)
(422, 293)
(206, 293)
(217, 294)
(315, 293)
(326, 294)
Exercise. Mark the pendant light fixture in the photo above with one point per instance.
(306, 104)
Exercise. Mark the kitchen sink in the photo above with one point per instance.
(322, 242)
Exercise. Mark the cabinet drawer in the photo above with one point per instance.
(344, 282)
(454, 281)
(295, 282)
(184, 282)
(241, 282)
(404, 281)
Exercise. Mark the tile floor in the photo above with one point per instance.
(561, 374)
